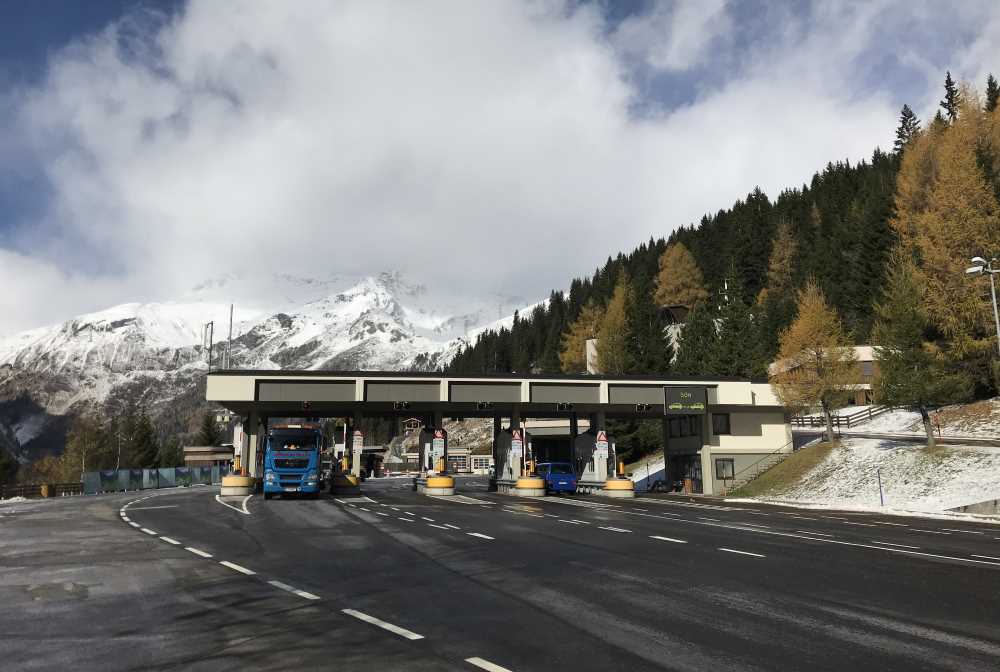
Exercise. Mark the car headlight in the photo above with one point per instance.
(311, 476)
(269, 476)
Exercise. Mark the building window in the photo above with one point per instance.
(725, 468)
(720, 424)
(867, 369)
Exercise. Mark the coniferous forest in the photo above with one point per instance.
(716, 298)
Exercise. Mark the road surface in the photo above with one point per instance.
(393, 580)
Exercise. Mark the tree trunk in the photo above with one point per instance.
(926, 417)
(829, 421)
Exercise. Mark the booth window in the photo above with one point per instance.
(720, 423)
(725, 468)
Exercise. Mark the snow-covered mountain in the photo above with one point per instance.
(155, 353)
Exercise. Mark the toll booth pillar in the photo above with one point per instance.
(357, 450)
(434, 479)
(495, 474)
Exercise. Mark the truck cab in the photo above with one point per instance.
(558, 476)
(292, 460)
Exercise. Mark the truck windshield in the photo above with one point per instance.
(293, 441)
(561, 469)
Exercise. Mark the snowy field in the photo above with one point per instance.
(913, 477)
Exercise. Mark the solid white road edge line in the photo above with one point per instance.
(395, 629)
(484, 664)
(198, 551)
(733, 550)
(876, 541)
(676, 541)
(233, 565)
(987, 557)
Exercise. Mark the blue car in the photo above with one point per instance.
(559, 476)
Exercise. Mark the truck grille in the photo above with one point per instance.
(293, 463)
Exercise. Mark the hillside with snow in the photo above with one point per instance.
(913, 477)
(156, 353)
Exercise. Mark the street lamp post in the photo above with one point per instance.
(979, 267)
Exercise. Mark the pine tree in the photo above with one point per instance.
(143, 447)
(696, 341)
(736, 350)
(909, 126)
(912, 374)
(680, 282)
(816, 364)
(614, 337)
(171, 453)
(8, 467)
(209, 433)
(573, 355)
(992, 93)
(952, 98)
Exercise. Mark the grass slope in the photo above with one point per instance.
(786, 474)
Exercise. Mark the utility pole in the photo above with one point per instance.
(210, 327)
(980, 267)
(229, 344)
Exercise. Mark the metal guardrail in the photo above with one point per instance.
(841, 421)
(40, 490)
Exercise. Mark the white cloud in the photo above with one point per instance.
(476, 147)
(674, 35)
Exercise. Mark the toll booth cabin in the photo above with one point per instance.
(738, 423)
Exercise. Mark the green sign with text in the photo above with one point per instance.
(684, 400)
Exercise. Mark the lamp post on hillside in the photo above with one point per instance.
(979, 267)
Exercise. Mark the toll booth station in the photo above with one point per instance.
(738, 419)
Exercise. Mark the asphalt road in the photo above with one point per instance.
(394, 580)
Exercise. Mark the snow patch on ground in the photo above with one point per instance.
(913, 477)
(13, 500)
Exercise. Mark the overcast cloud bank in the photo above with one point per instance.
(474, 147)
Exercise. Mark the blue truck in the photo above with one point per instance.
(292, 460)
(558, 476)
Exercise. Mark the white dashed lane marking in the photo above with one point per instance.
(986, 557)
(440, 527)
(613, 529)
(966, 531)
(429, 520)
(395, 629)
(818, 534)
(134, 524)
(676, 541)
(173, 542)
(238, 568)
(294, 591)
(733, 550)
(484, 664)
(915, 529)
(481, 536)
(198, 551)
(148, 531)
(454, 527)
